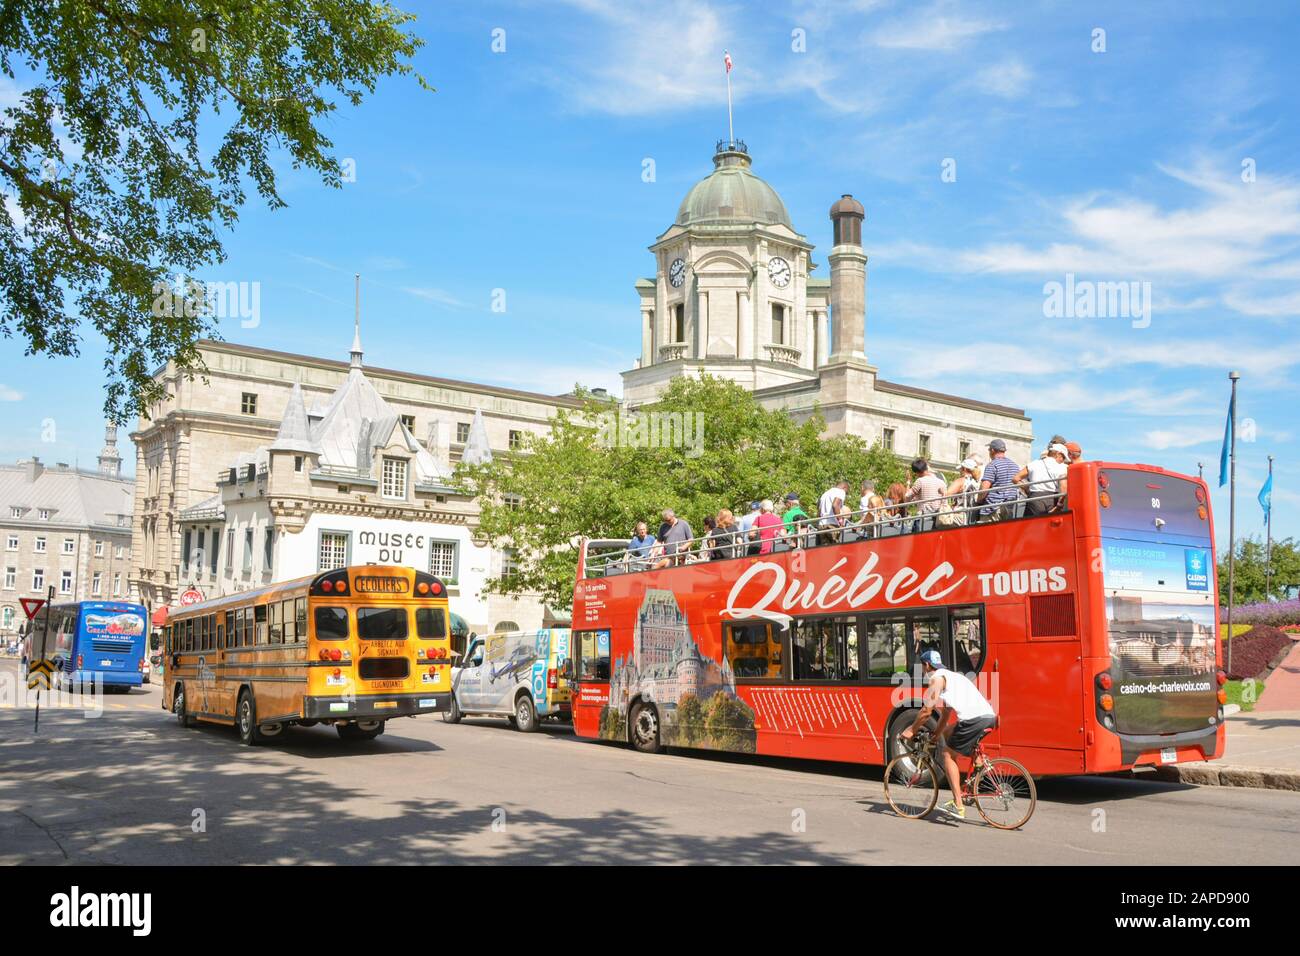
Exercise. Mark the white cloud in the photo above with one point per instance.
(929, 29)
(1009, 79)
(8, 394)
(440, 296)
(1182, 437)
(650, 63)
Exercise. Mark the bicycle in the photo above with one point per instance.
(1001, 789)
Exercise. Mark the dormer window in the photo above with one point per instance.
(15, 512)
(393, 479)
(43, 514)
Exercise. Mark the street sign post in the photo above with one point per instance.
(45, 666)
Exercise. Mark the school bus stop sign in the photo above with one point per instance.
(39, 674)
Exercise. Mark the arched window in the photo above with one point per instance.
(503, 626)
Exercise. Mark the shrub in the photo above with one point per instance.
(1253, 651)
(1272, 613)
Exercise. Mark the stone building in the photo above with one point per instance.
(734, 296)
(280, 460)
(346, 482)
(66, 527)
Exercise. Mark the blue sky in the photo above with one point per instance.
(523, 173)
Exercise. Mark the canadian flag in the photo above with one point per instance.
(726, 58)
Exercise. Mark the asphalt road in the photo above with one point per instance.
(132, 787)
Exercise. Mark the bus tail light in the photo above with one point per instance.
(422, 587)
(1104, 498)
(552, 679)
(1222, 695)
(433, 670)
(340, 586)
(327, 585)
(140, 665)
(1221, 677)
(80, 661)
(324, 654)
(336, 654)
(1107, 702)
(1103, 480)
(1105, 682)
(1200, 495)
(338, 672)
(435, 588)
(1201, 512)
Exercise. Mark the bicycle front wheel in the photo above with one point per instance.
(911, 786)
(1004, 794)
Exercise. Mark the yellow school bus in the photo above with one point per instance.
(353, 647)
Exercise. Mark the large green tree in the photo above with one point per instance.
(598, 473)
(1249, 565)
(137, 127)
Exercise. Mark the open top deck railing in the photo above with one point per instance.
(606, 557)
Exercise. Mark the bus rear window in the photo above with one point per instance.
(331, 623)
(1151, 504)
(430, 622)
(381, 623)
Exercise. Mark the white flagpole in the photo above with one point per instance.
(731, 133)
(1232, 511)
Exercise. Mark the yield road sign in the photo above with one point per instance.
(31, 606)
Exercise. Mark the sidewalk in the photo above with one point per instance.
(1263, 748)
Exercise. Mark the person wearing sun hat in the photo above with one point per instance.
(961, 492)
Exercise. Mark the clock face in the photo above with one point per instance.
(778, 270)
(677, 273)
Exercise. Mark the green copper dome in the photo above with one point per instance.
(732, 194)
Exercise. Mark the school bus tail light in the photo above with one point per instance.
(338, 672)
(340, 586)
(336, 654)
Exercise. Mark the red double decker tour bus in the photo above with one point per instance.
(1091, 629)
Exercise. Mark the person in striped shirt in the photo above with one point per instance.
(998, 489)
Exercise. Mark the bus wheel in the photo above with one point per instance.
(246, 720)
(894, 735)
(525, 714)
(178, 707)
(360, 729)
(645, 729)
(452, 714)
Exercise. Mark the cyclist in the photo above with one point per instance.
(950, 692)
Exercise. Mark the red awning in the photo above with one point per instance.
(159, 618)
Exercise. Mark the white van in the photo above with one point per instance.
(516, 675)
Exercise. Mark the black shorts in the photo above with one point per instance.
(967, 733)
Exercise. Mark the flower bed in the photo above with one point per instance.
(1272, 613)
(1257, 651)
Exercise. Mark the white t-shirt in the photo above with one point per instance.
(826, 506)
(1044, 475)
(961, 694)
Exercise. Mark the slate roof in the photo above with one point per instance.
(73, 496)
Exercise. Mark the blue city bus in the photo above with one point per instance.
(92, 640)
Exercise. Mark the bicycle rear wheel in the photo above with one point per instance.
(1004, 794)
(911, 786)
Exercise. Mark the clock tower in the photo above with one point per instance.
(732, 295)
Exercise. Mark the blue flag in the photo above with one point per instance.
(1227, 442)
(1266, 497)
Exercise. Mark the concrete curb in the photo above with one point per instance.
(1227, 775)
